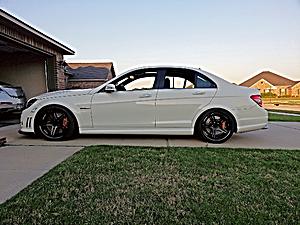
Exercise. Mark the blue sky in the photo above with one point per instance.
(232, 38)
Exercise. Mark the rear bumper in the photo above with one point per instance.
(252, 127)
(256, 119)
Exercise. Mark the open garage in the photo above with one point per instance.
(29, 58)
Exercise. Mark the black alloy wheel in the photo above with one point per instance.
(55, 123)
(216, 126)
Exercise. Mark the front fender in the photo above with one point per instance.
(81, 111)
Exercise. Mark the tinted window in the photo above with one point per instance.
(137, 80)
(141, 83)
(184, 79)
(203, 82)
(178, 82)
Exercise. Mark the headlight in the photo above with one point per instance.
(30, 102)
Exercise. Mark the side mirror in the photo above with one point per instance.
(110, 88)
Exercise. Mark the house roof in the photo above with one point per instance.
(272, 78)
(18, 23)
(296, 83)
(90, 70)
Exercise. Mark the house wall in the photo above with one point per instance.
(283, 91)
(296, 90)
(266, 87)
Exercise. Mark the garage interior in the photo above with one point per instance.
(29, 58)
(23, 67)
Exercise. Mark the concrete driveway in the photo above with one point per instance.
(280, 135)
(26, 158)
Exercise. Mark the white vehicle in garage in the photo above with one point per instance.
(149, 100)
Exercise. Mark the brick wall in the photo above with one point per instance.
(82, 84)
(61, 79)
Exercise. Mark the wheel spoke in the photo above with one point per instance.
(222, 130)
(212, 118)
(53, 130)
(213, 132)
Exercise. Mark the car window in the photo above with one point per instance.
(138, 80)
(179, 79)
(186, 79)
(179, 82)
(204, 83)
(140, 84)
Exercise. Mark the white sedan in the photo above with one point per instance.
(149, 100)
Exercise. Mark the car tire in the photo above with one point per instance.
(215, 126)
(55, 123)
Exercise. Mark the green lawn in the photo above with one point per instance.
(283, 118)
(144, 185)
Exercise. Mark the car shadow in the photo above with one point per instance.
(134, 136)
(7, 119)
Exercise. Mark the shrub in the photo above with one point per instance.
(268, 95)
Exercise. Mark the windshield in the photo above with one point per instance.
(13, 91)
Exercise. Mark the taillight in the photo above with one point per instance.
(257, 99)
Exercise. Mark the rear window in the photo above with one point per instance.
(204, 83)
(185, 78)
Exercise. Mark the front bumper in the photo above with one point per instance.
(24, 132)
(27, 122)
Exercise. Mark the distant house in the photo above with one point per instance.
(268, 82)
(88, 75)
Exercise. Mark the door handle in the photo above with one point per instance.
(199, 93)
(145, 96)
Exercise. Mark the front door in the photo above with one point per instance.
(132, 106)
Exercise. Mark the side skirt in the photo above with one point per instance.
(156, 131)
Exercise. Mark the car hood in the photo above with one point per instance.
(64, 93)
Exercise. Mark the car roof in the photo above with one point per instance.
(159, 67)
(163, 67)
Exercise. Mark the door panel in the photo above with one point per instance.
(124, 109)
(177, 107)
(131, 106)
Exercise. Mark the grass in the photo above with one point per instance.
(283, 118)
(143, 185)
